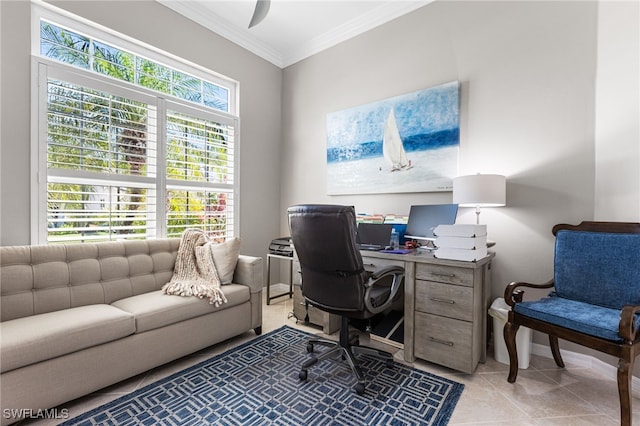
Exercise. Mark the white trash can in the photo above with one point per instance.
(499, 311)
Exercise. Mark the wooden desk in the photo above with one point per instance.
(445, 307)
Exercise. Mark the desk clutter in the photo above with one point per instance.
(416, 228)
(461, 242)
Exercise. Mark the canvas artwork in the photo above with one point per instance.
(407, 143)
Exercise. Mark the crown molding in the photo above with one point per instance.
(382, 14)
(352, 28)
(223, 28)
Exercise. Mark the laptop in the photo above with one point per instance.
(373, 236)
(425, 218)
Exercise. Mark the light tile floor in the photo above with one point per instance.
(542, 395)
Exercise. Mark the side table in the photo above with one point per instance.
(289, 259)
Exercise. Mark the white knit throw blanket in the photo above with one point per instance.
(194, 273)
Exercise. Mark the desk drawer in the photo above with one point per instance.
(444, 274)
(444, 341)
(453, 301)
(373, 263)
(300, 310)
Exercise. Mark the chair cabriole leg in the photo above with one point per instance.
(624, 390)
(555, 351)
(509, 333)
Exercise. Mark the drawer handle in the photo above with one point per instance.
(435, 299)
(442, 342)
(440, 274)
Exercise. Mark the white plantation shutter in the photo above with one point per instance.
(98, 212)
(101, 165)
(200, 164)
(199, 149)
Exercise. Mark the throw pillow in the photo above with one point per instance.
(225, 257)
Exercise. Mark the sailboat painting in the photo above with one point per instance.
(407, 143)
(392, 146)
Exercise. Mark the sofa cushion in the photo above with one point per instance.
(225, 257)
(40, 337)
(154, 309)
(583, 317)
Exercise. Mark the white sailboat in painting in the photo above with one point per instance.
(392, 147)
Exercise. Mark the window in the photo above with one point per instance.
(131, 147)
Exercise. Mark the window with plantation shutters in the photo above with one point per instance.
(129, 148)
(200, 156)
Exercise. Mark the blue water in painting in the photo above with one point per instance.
(433, 140)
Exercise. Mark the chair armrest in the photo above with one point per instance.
(378, 273)
(513, 296)
(627, 328)
(249, 272)
(397, 274)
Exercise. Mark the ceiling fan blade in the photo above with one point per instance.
(262, 8)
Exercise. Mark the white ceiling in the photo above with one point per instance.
(293, 29)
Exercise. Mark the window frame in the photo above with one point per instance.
(42, 69)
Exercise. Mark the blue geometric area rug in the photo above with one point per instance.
(257, 383)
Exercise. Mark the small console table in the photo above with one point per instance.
(289, 259)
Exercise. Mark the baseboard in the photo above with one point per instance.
(278, 288)
(587, 361)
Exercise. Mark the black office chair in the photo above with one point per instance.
(334, 279)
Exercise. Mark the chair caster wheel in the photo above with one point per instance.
(359, 388)
(303, 375)
(309, 347)
(389, 363)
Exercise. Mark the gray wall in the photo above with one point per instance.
(150, 22)
(528, 73)
(617, 133)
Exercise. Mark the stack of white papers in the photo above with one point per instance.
(461, 242)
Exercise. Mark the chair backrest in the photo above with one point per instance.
(598, 263)
(324, 238)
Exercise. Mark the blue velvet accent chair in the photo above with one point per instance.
(594, 302)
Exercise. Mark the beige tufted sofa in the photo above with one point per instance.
(76, 318)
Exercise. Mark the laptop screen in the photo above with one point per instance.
(374, 234)
(424, 219)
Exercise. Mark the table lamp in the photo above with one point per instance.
(479, 191)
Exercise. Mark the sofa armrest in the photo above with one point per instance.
(249, 272)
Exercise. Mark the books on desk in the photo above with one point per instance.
(461, 242)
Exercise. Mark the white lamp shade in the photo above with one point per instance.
(480, 190)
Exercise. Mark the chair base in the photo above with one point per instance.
(349, 348)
